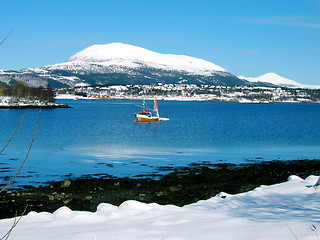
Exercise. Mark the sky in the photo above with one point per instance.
(246, 37)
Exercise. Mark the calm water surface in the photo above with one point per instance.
(100, 137)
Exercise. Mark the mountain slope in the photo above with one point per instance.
(132, 56)
(122, 64)
(118, 63)
(277, 80)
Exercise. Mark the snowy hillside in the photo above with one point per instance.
(122, 64)
(283, 211)
(118, 63)
(277, 80)
(129, 55)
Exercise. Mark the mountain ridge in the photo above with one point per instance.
(120, 53)
(124, 64)
(278, 80)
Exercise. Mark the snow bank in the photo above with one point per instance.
(288, 210)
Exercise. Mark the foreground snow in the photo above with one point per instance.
(289, 210)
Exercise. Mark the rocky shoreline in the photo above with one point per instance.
(183, 186)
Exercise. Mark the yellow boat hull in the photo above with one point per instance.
(142, 118)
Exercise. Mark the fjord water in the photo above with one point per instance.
(101, 137)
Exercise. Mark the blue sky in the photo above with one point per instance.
(247, 37)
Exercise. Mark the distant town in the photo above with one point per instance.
(189, 92)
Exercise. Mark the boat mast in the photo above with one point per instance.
(156, 107)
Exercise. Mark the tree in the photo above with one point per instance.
(20, 90)
(46, 94)
(1, 90)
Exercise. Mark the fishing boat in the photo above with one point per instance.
(148, 115)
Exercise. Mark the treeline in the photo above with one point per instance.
(21, 90)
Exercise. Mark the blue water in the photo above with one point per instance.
(100, 137)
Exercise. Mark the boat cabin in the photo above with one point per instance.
(146, 112)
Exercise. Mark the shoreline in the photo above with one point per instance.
(185, 185)
(12, 103)
(34, 106)
(180, 98)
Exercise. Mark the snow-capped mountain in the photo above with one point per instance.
(126, 55)
(277, 80)
(118, 63)
(121, 64)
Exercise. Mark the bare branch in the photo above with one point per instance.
(6, 38)
(27, 155)
(15, 223)
(14, 133)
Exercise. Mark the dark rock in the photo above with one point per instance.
(181, 187)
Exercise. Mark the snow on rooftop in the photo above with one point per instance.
(285, 211)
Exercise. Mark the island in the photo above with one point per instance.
(21, 96)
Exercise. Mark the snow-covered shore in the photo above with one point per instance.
(173, 98)
(289, 210)
(11, 102)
